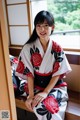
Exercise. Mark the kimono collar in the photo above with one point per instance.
(47, 57)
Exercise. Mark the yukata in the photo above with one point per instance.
(33, 62)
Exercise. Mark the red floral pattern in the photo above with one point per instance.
(36, 59)
(62, 75)
(56, 67)
(20, 67)
(26, 88)
(15, 60)
(56, 47)
(15, 87)
(51, 104)
(29, 74)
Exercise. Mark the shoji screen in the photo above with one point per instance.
(18, 21)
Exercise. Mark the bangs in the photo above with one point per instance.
(44, 16)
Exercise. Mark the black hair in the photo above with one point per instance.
(40, 18)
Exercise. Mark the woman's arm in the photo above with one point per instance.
(51, 84)
(29, 100)
(31, 87)
(42, 95)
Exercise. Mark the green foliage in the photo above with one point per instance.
(61, 26)
(73, 19)
(66, 13)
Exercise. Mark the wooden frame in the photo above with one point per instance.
(7, 100)
(27, 3)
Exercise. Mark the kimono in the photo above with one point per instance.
(33, 62)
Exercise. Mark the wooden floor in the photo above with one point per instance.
(72, 111)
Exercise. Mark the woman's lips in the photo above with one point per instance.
(42, 33)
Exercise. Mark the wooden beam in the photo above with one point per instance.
(7, 100)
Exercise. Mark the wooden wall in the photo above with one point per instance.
(7, 101)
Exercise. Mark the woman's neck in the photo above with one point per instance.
(44, 44)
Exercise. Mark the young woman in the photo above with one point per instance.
(43, 64)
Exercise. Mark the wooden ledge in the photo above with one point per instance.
(71, 106)
(15, 50)
(20, 104)
(72, 111)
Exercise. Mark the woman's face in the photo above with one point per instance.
(44, 30)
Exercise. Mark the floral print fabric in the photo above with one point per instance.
(51, 104)
(33, 59)
(54, 106)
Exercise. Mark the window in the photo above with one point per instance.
(67, 22)
(21, 15)
(36, 6)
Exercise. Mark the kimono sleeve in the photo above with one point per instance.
(61, 65)
(24, 68)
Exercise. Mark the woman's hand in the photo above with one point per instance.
(38, 98)
(28, 104)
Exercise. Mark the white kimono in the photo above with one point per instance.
(42, 66)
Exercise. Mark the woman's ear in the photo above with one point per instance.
(52, 29)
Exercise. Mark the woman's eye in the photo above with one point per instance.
(38, 25)
(46, 25)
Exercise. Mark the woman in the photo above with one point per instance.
(43, 64)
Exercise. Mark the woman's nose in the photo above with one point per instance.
(42, 28)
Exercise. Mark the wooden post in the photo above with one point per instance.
(7, 99)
